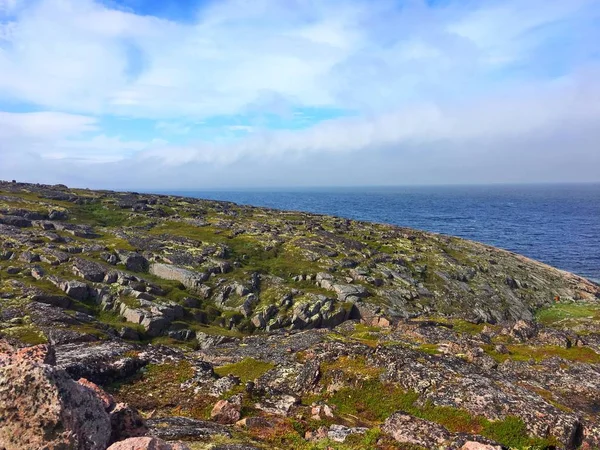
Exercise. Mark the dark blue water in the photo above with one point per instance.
(556, 224)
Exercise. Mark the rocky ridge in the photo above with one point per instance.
(229, 326)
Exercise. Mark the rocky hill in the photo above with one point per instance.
(234, 327)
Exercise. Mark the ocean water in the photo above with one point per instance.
(555, 224)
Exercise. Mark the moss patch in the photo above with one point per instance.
(372, 401)
(568, 314)
(26, 334)
(526, 353)
(96, 213)
(512, 432)
(248, 369)
(157, 388)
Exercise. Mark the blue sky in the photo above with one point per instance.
(233, 93)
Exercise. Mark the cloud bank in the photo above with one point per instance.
(339, 92)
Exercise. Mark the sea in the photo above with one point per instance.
(556, 224)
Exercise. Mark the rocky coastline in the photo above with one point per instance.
(142, 321)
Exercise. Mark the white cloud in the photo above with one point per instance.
(508, 32)
(79, 56)
(538, 110)
(421, 83)
(44, 124)
(61, 136)
(213, 67)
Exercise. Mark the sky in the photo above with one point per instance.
(196, 94)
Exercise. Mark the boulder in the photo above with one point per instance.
(58, 215)
(11, 270)
(254, 423)
(59, 301)
(308, 376)
(224, 384)
(15, 221)
(278, 404)
(249, 302)
(339, 433)
(100, 362)
(319, 412)
(225, 412)
(126, 422)
(37, 272)
(107, 400)
(207, 341)
(171, 311)
(176, 428)
(523, 330)
(411, 430)
(154, 326)
(29, 257)
(347, 292)
(191, 302)
(190, 279)
(53, 411)
(133, 261)
(182, 335)
(259, 320)
(146, 443)
(89, 270)
(133, 315)
(129, 334)
(76, 289)
(472, 445)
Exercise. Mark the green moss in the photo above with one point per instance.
(26, 334)
(283, 263)
(372, 400)
(248, 369)
(363, 328)
(177, 373)
(354, 367)
(117, 243)
(157, 389)
(170, 342)
(89, 329)
(430, 349)
(512, 432)
(206, 233)
(526, 353)
(253, 254)
(567, 314)
(462, 326)
(96, 213)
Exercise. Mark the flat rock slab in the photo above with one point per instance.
(190, 279)
(174, 428)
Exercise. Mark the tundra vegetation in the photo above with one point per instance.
(233, 327)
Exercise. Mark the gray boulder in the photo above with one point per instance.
(155, 325)
(89, 270)
(133, 261)
(190, 279)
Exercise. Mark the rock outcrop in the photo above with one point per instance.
(42, 407)
(287, 330)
